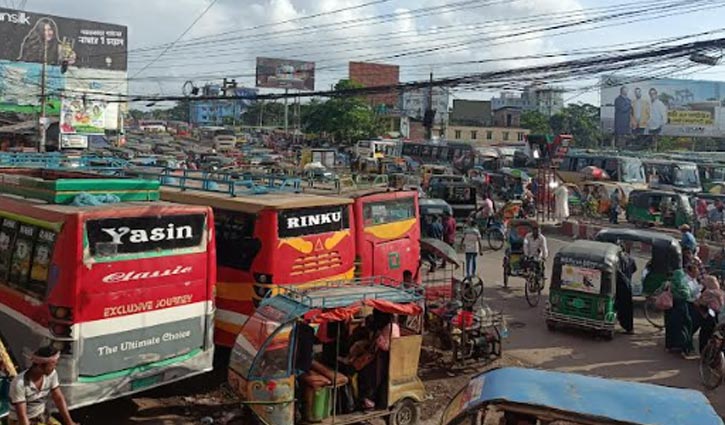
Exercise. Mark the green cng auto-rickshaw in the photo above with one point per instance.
(658, 208)
(294, 361)
(666, 258)
(583, 285)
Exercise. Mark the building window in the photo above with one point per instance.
(505, 135)
(457, 135)
(520, 137)
(509, 120)
(474, 134)
(489, 135)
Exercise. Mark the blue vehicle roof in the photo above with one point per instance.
(623, 401)
(334, 295)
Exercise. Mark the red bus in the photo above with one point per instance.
(387, 233)
(271, 239)
(124, 291)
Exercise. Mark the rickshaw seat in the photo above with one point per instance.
(329, 374)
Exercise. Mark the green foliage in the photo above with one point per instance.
(344, 118)
(581, 121)
(272, 114)
(536, 122)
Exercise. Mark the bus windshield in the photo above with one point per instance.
(390, 211)
(632, 171)
(686, 176)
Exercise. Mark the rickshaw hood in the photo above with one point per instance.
(593, 397)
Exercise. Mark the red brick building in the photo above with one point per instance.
(375, 75)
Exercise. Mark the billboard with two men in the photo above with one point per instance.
(635, 107)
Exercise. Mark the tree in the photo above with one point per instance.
(581, 121)
(345, 118)
(272, 114)
(535, 122)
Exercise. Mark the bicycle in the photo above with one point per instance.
(712, 360)
(535, 281)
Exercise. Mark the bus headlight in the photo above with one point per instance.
(61, 313)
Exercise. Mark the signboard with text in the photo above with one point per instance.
(668, 107)
(285, 74)
(35, 37)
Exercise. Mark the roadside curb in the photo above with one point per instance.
(578, 230)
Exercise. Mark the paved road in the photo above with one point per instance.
(639, 357)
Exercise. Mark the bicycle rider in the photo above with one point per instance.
(536, 251)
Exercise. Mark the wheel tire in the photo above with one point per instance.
(532, 290)
(654, 316)
(712, 362)
(405, 412)
(495, 238)
(506, 273)
(551, 326)
(471, 290)
(608, 335)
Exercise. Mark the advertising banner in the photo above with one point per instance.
(666, 107)
(581, 279)
(73, 141)
(77, 116)
(20, 87)
(285, 74)
(34, 37)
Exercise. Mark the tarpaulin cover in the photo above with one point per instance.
(334, 315)
(393, 308)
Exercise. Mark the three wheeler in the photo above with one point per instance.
(665, 259)
(275, 371)
(514, 263)
(659, 208)
(583, 286)
(532, 397)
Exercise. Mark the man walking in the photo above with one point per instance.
(472, 246)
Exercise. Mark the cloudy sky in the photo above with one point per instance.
(421, 36)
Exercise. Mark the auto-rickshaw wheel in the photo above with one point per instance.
(608, 335)
(405, 412)
(506, 273)
(550, 325)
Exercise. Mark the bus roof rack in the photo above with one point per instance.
(63, 187)
(231, 183)
(335, 294)
(55, 160)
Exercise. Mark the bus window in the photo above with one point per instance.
(40, 268)
(581, 163)
(632, 171)
(383, 212)
(7, 238)
(20, 259)
(425, 152)
(611, 166)
(236, 245)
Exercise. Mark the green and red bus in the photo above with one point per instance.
(123, 290)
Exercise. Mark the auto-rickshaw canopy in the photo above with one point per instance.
(568, 397)
(666, 250)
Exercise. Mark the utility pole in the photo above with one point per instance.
(286, 112)
(428, 116)
(43, 118)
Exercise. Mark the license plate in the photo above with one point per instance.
(145, 382)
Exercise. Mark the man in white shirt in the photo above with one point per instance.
(658, 113)
(471, 244)
(535, 245)
(30, 389)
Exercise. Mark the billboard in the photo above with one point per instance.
(376, 75)
(20, 87)
(669, 107)
(285, 74)
(84, 44)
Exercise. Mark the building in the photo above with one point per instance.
(539, 97)
(220, 112)
(415, 102)
(507, 117)
(471, 112)
(483, 136)
(376, 75)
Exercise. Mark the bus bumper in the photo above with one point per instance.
(90, 392)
